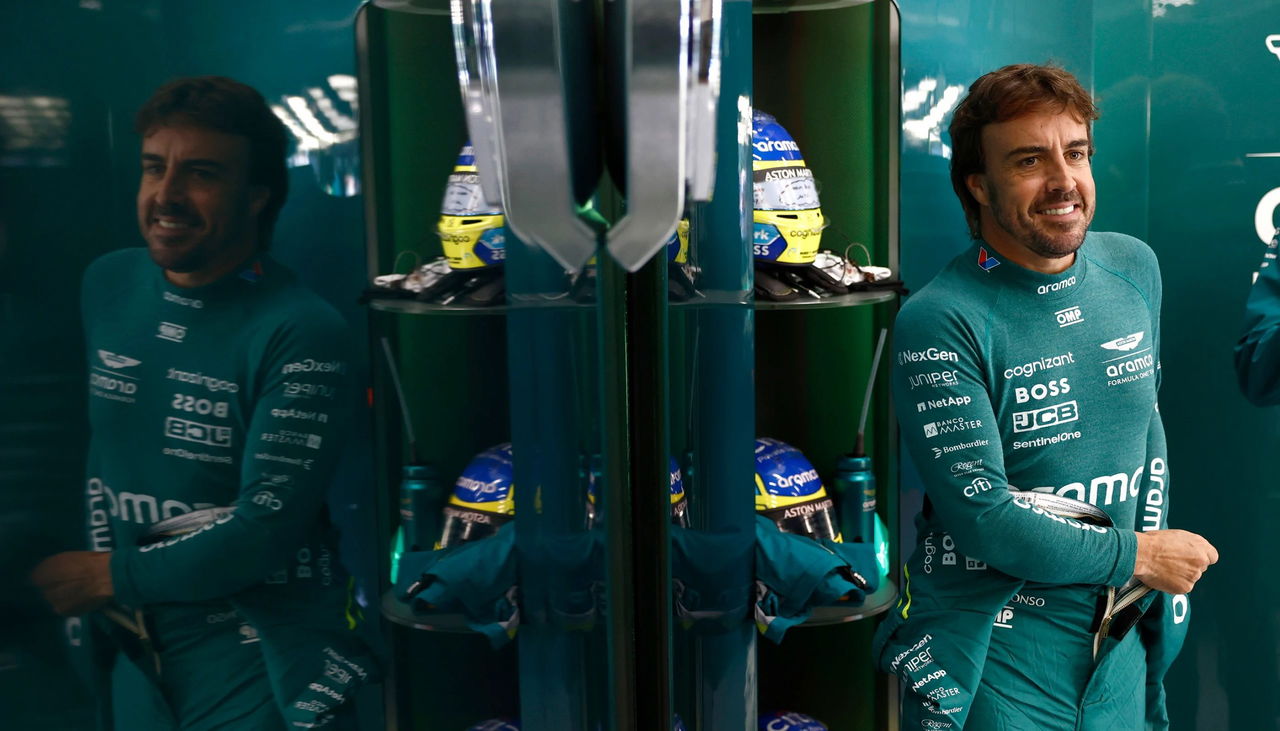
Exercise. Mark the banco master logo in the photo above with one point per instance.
(1128, 342)
(950, 426)
(115, 360)
(916, 356)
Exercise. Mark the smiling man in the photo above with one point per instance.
(1031, 363)
(217, 394)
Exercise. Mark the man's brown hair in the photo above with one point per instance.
(1000, 96)
(228, 106)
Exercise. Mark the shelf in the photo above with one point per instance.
(876, 603)
(400, 613)
(789, 6)
(414, 307)
(852, 299)
(417, 7)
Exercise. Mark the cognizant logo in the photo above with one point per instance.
(1035, 366)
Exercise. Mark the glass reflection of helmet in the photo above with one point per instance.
(678, 244)
(790, 493)
(790, 721)
(472, 230)
(679, 500)
(788, 222)
(483, 498)
(496, 724)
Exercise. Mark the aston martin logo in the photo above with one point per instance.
(113, 360)
(1128, 342)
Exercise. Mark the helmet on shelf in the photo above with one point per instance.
(483, 498)
(675, 481)
(788, 221)
(678, 244)
(790, 493)
(472, 230)
(790, 721)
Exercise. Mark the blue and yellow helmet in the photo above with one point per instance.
(472, 230)
(788, 222)
(678, 244)
(790, 493)
(675, 480)
(483, 498)
(790, 721)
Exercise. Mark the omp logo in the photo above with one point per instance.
(1069, 316)
(1041, 391)
(1057, 286)
(915, 356)
(1107, 489)
(200, 379)
(950, 426)
(1062, 413)
(314, 366)
(184, 301)
(1043, 364)
(191, 431)
(114, 360)
(934, 379)
(172, 332)
(1128, 342)
(1004, 618)
(977, 487)
(927, 405)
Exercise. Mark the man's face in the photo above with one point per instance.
(1037, 193)
(196, 208)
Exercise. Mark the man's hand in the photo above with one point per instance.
(1172, 561)
(75, 582)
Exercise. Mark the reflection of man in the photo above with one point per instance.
(215, 381)
(1032, 362)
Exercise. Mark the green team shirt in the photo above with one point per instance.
(1009, 378)
(228, 394)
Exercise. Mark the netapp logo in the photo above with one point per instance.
(1057, 286)
(934, 379)
(1044, 364)
(927, 405)
(915, 356)
(950, 426)
(1055, 415)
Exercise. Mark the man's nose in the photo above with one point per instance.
(1060, 179)
(169, 189)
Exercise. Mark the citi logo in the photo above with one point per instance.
(1056, 286)
(986, 261)
(1128, 342)
(171, 332)
(114, 360)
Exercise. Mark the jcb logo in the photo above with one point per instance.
(1041, 391)
(190, 431)
(1048, 416)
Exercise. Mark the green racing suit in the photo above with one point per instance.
(1009, 379)
(230, 394)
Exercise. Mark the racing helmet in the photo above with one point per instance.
(497, 724)
(790, 493)
(483, 498)
(679, 501)
(788, 222)
(472, 230)
(790, 721)
(678, 244)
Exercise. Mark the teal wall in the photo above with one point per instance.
(1187, 90)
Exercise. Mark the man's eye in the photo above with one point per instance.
(1076, 155)
(204, 174)
(152, 169)
(1027, 162)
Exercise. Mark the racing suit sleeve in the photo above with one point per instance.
(290, 450)
(949, 427)
(1257, 352)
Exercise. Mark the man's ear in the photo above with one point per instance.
(977, 185)
(259, 198)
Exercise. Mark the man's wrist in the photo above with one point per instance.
(1142, 557)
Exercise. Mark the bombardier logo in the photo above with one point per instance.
(114, 360)
(1128, 342)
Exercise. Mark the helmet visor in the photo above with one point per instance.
(786, 186)
(813, 518)
(464, 197)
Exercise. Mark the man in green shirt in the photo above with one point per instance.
(1031, 362)
(217, 383)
